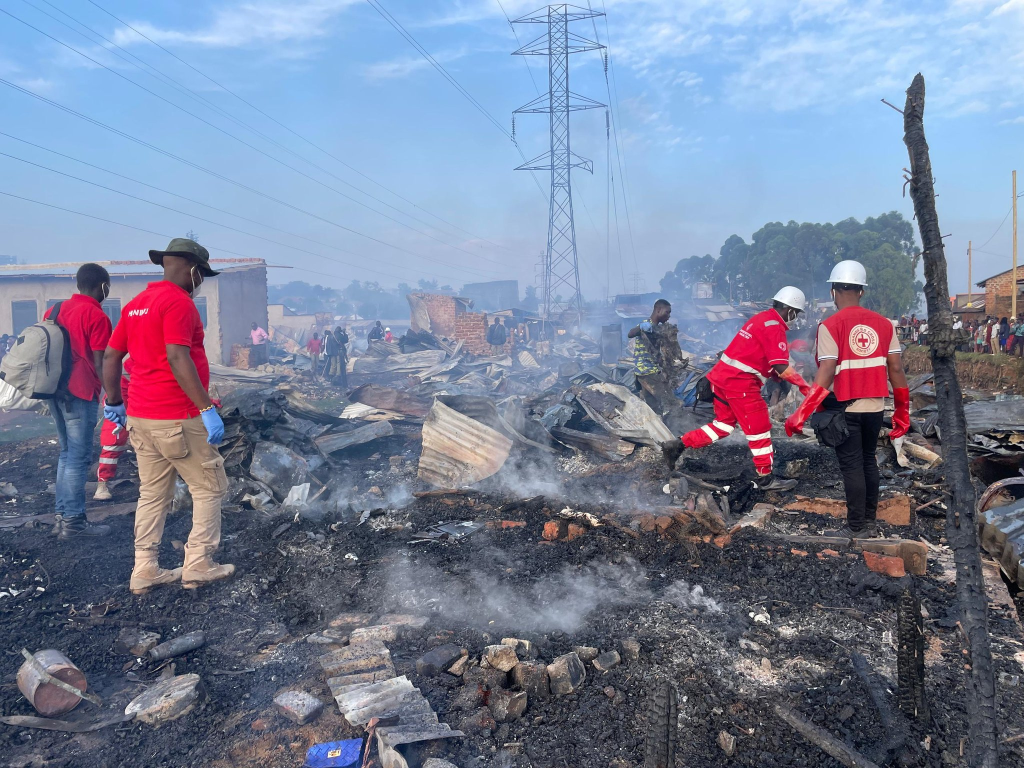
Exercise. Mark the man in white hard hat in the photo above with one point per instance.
(760, 350)
(858, 356)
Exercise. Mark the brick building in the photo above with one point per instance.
(452, 317)
(998, 292)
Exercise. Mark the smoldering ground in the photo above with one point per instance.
(562, 601)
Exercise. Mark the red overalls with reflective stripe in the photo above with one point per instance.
(112, 444)
(736, 383)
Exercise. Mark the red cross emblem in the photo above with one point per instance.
(863, 340)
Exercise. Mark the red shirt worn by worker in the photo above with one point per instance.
(89, 329)
(860, 341)
(759, 345)
(162, 314)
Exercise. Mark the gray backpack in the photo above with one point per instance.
(39, 363)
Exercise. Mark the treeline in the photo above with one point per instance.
(803, 255)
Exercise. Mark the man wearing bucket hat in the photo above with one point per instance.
(172, 423)
(858, 356)
(760, 350)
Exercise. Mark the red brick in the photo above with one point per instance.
(663, 523)
(575, 531)
(798, 552)
(554, 530)
(829, 553)
(647, 523)
(886, 564)
(722, 541)
(895, 511)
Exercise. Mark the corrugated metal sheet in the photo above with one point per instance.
(411, 363)
(623, 414)
(459, 451)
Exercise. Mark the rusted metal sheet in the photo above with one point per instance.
(339, 441)
(414, 362)
(623, 414)
(458, 450)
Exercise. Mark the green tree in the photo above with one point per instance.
(804, 254)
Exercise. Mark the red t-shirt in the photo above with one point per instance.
(162, 314)
(89, 329)
(313, 346)
(759, 345)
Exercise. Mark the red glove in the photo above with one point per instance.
(793, 377)
(795, 423)
(901, 417)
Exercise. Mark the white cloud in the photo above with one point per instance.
(404, 66)
(270, 22)
(1013, 121)
(17, 75)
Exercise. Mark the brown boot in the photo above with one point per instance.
(148, 573)
(200, 570)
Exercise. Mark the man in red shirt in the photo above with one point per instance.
(758, 351)
(858, 355)
(172, 423)
(75, 408)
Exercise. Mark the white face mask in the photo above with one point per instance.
(106, 292)
(193, 273)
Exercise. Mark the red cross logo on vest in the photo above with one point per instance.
(863, 340)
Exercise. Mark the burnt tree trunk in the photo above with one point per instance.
(961, 527)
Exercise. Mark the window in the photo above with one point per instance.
(201, 306)
(112, 309)
(23, 314)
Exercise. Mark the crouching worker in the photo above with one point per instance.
(173, 425)
(758, 351)
(858, 355)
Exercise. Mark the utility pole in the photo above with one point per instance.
(1013, 291)
(969, 299)
(562, 271)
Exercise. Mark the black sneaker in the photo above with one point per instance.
(846, 532)
(869, 531)
(78, 527)
(772, 483)
(672, 450)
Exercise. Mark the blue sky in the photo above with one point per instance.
(730, 114)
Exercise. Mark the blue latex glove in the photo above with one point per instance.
(646, 326)
(116, 414)
(214, 426)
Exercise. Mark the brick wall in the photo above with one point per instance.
(998, 292)
(449, 319)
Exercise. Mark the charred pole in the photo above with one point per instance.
(961, 526)
(561, 265)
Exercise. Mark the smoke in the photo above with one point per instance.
(561, 601)
(682, 595)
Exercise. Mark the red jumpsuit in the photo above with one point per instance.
(736, 382)
(111, 445)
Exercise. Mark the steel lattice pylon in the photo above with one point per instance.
(561, 267)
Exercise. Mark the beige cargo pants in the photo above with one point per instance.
(166, 450)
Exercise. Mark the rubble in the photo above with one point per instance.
(566, 674)
(135, 641)
(500, 657)
(507, 706)
(166, 700)
(439, 659)
(298, 706)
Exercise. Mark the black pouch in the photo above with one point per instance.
(830, 425)
(703, 390)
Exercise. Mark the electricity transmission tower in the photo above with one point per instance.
(561, 266)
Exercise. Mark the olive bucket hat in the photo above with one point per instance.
(188, 249)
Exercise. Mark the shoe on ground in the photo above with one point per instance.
(672, 450)
(79, 528)
(869, 531)
(846, 532)
(102, 492)
(149, 574)
(772, 483)
(203, 571)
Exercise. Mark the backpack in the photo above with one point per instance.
(39, 363)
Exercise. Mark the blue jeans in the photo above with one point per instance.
(76, 426)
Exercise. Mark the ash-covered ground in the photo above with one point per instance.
(736, 629)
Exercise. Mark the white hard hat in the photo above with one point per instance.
(791, 297)
(387, 329)
(849, 272)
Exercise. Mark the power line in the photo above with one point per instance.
(209, 172)
(164, 235)
(166, 79)
(376, 5)
(288, 129)
(997, 228)
(526, 60)
(242, 141)
(183, 213)
(613, 98)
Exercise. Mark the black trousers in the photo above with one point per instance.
(859, 466)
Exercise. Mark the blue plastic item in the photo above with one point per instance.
(334, 754)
